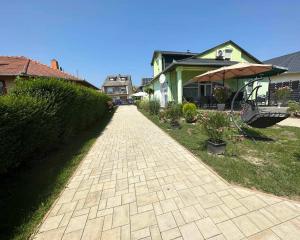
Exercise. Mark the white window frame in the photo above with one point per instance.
(228, 53)
(198, 87)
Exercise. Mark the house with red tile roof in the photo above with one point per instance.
(12, 67)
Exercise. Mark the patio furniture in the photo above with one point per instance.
(251, 113)
(260, 117)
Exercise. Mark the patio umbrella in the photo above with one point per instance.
(239, 70)
(256, 117)
(139, 94)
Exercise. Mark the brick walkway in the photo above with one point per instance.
(138, 183)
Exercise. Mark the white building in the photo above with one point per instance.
(290, 78)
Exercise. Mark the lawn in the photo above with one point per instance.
(27, 194)
(271, 165)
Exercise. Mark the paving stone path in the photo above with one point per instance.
(138, 183)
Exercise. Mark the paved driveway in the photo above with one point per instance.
(138, 183)
(292, 122)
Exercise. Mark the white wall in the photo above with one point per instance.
(286, 77)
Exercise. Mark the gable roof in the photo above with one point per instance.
(192, 62)
(117, 82)
(205, 62)
(187, 54)
(290, 61)
(232, 43)
(22, 66)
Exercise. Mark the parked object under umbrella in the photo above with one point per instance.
(251, 114)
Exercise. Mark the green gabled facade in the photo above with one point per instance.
(189, 65)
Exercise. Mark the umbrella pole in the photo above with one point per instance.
(269, 93)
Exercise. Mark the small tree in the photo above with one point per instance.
(134, 89)
(150, 92)
(221, 94)
(282, 94)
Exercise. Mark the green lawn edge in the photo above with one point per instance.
(282, 180)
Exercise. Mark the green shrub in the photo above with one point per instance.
(154, 106)
(221, 94)
(214, 125)
(40, 114)
(294, 107)
(162, 115)
(189, 112)
(144, 105)
(174, 112)
(137, 103)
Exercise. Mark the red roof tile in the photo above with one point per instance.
(15, 66)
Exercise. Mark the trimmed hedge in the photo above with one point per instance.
(189, 111)
(40, 114)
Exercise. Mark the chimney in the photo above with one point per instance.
(54, 64)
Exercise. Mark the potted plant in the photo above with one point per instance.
(189, 111)
(282, 95)
(221, 94)
(214, 125)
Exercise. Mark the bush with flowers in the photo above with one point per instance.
(214, 124)
(282, 94)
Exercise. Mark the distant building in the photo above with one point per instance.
(144, 82)
(12, 67)
(118, 87)
(291, 78)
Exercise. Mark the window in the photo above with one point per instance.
(123, 79)
(110, 90)
(2, 87)
(228, 52)
(111, 79)
(197, 90)
(123, 89)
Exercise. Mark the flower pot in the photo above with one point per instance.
(216, 148)
(191, 120)
(279, 104)
(221, 106)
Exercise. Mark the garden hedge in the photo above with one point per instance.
(40, 114)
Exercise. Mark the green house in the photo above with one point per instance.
(173, 70)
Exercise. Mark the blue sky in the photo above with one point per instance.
(102, 37)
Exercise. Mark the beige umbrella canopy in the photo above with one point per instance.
(239, 70)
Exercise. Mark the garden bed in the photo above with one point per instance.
(272, 165)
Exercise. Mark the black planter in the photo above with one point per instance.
(216, 148)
